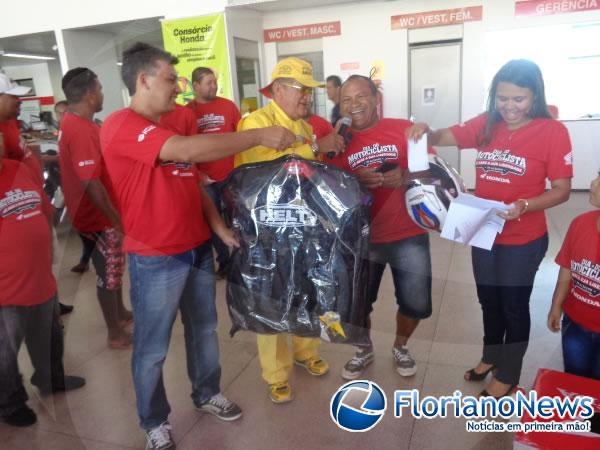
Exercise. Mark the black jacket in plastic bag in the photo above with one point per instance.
(302, 265)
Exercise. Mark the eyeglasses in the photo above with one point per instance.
(304, 90)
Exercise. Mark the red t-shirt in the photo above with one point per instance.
(15, 148)
(386, 141)
(181, 121)
(159, 201)
(217, 116)
(580, 253)
(320, 126)
(25, 238)
(516, 165)
(81, 161)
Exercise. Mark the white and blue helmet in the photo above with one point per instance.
(428, 198)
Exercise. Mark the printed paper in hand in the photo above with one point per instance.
(417, 155)
(474, 221)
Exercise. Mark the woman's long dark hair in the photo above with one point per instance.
(522, 73)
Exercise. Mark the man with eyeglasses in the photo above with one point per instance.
(291, 90)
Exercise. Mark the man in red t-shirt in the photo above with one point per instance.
(28, 303)
(395, 239)
(86, 186)
(167, 231)
(214, 114)
(15, 146)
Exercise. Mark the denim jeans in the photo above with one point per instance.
(504, 276)
(39, 326)
(581, 349)
(214, 192)
(160, 285)
(410, 262)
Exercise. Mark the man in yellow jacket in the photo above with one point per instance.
(291, 89)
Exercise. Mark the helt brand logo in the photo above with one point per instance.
(286, 215)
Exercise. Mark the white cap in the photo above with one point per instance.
(7, 86)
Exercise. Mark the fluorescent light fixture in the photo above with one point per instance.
(119, 63)
(26, 55)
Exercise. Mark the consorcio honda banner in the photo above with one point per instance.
(198, 41)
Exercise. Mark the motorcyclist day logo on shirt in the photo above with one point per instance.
(372, 154)
(18, 201)
(210, 122)
(179, 169)
(285, 215)
(586, 276)
(502, 162)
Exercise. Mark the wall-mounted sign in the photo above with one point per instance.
(437, 18)
(550, 7)
(349, 66)
(301, 32)
(428, 97)
(198, 41)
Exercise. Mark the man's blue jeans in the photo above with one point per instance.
(160, 285)
(581, 349)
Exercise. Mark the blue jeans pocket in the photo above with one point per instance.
(152, 262)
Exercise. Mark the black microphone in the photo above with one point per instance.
(344, 131)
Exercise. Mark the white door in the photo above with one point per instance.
(435, 88)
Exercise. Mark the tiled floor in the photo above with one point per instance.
(102, 415)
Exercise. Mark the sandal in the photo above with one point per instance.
(509, 391)
(471, 375)
(315, 365)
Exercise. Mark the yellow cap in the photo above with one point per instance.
(294, 68)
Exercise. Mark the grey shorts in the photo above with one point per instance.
(410, 262)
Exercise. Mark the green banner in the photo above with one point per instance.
(198, 41)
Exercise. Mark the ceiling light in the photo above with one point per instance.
(25, 55)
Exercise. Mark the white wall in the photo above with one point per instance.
(42, 15)
(55, 80)
(585, 138)
(97, 51)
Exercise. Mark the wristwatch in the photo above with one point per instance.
(315, 147)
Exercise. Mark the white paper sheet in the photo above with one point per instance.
(417, 155)
(474, 221)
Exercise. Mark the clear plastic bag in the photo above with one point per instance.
(302, 265)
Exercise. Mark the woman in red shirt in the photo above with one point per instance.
(519, 146)
(577, 292)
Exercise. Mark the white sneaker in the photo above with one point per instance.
(160, 438)
(405, 364)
